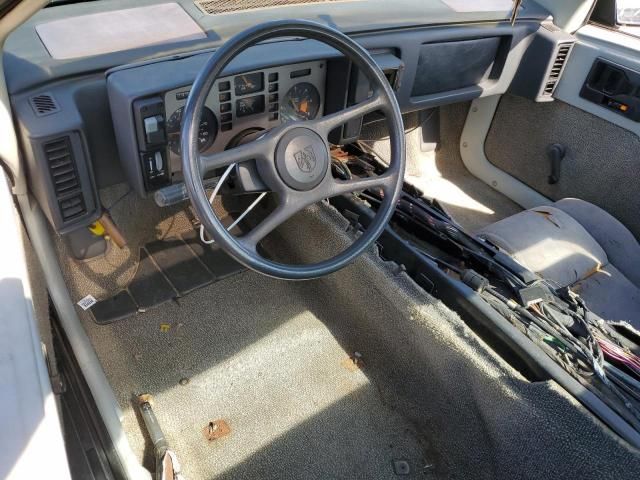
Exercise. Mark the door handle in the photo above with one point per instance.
(556, 153)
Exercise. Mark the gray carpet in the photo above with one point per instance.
(602, 162)
(257, 356)
(267, 356)
(440, 174)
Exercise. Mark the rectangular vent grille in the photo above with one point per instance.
(213, 7)
(44, 104)
(556, 69)
(66, 185)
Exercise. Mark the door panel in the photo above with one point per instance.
(595, 43)
(601, 164)
(602, 145)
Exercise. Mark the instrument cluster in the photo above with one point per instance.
(246, 103)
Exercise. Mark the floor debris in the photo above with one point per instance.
(353, 362)
(401, 467)
(216, 429)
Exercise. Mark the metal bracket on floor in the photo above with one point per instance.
(167, 465)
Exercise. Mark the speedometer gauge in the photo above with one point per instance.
(206, 132)
(302, 102)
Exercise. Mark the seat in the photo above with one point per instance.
(577, 244)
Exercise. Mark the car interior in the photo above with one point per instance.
(351, 239)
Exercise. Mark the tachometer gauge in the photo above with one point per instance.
(302, 102)
(249, 83)
(206, 132)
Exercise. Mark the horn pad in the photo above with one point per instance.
(302, 159)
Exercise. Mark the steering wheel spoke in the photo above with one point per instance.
(272, 221)
(259, 149)
(384, 181)
(293, 202)
(329, 122)
(288, 205)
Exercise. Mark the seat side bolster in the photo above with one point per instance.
(616, 240)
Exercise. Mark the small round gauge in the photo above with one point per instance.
(302, 102)
(206, 132)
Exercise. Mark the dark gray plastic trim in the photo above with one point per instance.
(36, 131)
(130, 82)
(42, 185)
(28, 64)
(534, 68)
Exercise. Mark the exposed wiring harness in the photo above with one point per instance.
(556, 319)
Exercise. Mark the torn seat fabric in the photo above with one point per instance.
(576, 244)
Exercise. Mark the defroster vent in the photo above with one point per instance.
(556, 68)
(64, 176)
(214, 7)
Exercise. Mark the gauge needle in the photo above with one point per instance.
(303, 106)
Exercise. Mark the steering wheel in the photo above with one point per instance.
(292, 159)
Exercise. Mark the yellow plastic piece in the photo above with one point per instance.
(97, 229)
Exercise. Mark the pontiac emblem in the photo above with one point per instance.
(306, 159)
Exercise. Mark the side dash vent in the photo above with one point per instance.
(44, 104)
(64, 176)
(556, 69)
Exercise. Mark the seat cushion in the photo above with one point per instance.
(549, 242)
(574, 243)
(621, 247)
(611, 295)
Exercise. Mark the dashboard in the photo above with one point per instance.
(255, 97)
(115, 117)
(237, 106)
(263, 87)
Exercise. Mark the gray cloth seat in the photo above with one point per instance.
(577, 244)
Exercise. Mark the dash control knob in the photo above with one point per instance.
(154, 130)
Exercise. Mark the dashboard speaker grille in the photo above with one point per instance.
(64, 176)
(213, 7)
(44, 104)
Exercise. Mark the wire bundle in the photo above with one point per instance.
(619, 354)
(562, 325)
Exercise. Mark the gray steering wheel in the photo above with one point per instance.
(298, 179)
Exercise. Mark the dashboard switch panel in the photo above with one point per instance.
(154, 166)
(150, 122)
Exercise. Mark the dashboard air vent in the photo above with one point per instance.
(44, 104)
(214, 7)
(64, 176)
(556, 68)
